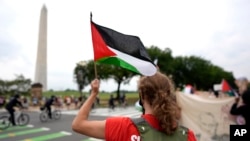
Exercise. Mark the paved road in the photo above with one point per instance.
(59, 130)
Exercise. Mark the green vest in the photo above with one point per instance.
(148, 133)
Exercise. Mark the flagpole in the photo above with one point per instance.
(95, 69)
(91, 16)
(94, 60)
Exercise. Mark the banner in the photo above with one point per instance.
(208, 117)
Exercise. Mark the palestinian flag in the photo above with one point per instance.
(225, 87)
(126, 51)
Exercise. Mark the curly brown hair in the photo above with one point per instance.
(158, 91)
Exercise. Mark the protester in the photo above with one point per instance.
(59, 102)
(123, 100)
(97, 100)
(76, 102)
(25, 103)
(68, 102)
(2, 101)
(112, 102)
(242, 84)
(161, 113)
(236, 108)
(35, 101)
(244, 109)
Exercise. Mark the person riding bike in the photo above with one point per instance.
(48, 104)
(15, 101)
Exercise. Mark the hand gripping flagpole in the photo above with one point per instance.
(94, 60)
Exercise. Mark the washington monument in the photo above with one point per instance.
(41, 60)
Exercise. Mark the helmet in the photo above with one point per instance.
(16, 96)
(53, 97)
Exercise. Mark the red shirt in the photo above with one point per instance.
(123, 129)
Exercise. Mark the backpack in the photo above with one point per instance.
(148, 133)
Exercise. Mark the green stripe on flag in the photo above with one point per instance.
(13, 134)
(48, 136)
(118, 62)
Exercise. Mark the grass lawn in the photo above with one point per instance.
(131, 97)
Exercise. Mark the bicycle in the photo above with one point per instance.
(21, 119)
(44, 116)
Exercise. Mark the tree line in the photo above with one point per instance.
(193, 70)
(19, 84)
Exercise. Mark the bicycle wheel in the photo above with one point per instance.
(4, 122)
(43, 116)
(56, 114)
(23, 119)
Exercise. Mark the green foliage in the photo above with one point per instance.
(81, 75)
(19, 84)
(104, 72)
(192, 70)
(165, 58)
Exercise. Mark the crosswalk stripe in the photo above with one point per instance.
(13, 134)
(92, 139)
(66, 133)
(49, 136)
(45, 128)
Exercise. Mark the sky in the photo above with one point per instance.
(216, 30)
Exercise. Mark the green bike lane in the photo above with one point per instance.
(30, 133)
(54, 130)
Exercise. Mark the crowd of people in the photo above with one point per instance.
(122, 101)
(67, 102)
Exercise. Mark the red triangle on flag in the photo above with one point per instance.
(101, 49)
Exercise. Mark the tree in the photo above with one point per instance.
(193, 70)
(164, 58)
(198, 72)
(107, 71)
(120, 76)
(81, 76)
(20, 84)
(104, 72)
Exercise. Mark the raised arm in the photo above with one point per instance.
(81, 124)
(235, 110)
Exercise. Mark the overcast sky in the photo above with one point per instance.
(217, 30)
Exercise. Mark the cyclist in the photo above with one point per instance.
(48, 104)
(15, 101)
